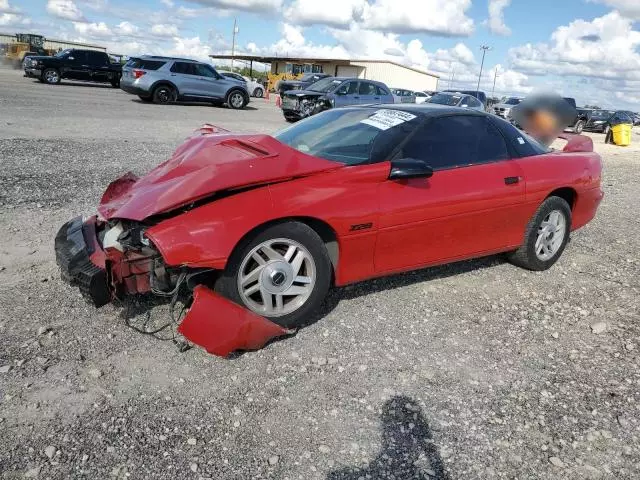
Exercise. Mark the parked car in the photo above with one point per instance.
(167, 79)
(401, 95)
(421, 97)
(503, 109)
(304, 82)
(254, 88)
(457, 100)
(479, 94)
(634, 116)
(250, 231)
(333, 92)
(75, 64)
(601, 121)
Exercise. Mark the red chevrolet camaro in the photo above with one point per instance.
(254, 229)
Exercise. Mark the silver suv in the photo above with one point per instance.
(166, 80)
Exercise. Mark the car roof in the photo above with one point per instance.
(160, 57)
(426, 109)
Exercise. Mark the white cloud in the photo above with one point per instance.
(496, 17)
(127, 29)
(93, 29)
(603, 48)
(189, 48)
(65, 9)
(164, 30)
(14, 19)
(437, 17)
(167, 3)
(334, 13)
(255, 6)
(629, 8)
(5, 6)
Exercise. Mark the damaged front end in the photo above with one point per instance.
(110, 260)
(296, 106)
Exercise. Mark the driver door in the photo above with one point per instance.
(77, 65)
(472, 205)
(347, 94)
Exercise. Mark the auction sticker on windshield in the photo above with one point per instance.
(385, 119)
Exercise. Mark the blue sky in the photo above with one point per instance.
(583, 48)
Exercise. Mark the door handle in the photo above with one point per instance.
(173, 74)
(511, 180)
(356, 98)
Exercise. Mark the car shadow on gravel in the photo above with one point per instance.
(408, 449)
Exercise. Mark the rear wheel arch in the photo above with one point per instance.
(568, 194)
(167, 83)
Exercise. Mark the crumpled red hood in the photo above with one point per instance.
(202, 166)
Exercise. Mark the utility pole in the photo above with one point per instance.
(233, 43)
(484, 49)
(495, 75)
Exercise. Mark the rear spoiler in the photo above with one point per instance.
(577, 143)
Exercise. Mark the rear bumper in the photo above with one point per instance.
(82, 260)
(134, 90)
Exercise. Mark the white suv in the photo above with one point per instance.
(253, 87)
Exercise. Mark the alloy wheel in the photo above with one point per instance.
(276, 277)
(551, 234)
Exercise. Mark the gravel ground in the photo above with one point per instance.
(475, 370)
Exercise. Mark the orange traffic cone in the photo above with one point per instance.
(278, 101)
(266, 96)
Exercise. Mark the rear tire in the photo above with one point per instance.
(236, 100)
(164, 94)
(258, 92)
(313, 265)
(546, 236)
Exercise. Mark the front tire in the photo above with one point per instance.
(236, 100)
(578, 127)
(546, 236)
(282, 273)
(258, 92)
(51, 76)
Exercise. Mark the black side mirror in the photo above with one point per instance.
(409, 168)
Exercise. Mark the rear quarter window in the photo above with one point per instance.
(145, 64)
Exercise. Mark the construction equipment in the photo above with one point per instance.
(25, 43)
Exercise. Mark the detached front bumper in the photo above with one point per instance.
(82, 260)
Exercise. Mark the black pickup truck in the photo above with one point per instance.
(75, 64)
(306, 80)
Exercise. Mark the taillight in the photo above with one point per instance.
(138, 73)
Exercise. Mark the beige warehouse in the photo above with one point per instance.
(393, 74)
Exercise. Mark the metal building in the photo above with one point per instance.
(393, 74)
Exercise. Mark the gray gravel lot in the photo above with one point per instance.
(476, 370)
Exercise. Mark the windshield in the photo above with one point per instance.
(63, 53)
(512, 101)
(351, 136)
(602, 114)
(325, 85)
(444, 99)
(307, 76)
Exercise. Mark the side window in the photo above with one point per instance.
(366, 88)
(96, 58)
(353, 88)
(457, 141)
(203, 70)
(178, 67)
(79, 57)
(381, 91)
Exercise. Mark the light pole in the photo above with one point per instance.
(233, 43)
(484, 49)
(495, 75)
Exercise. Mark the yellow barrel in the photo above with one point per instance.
(621, 134)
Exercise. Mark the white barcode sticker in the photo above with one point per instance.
(385, 119)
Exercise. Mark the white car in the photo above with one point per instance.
(421, 97)
(254, 88)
